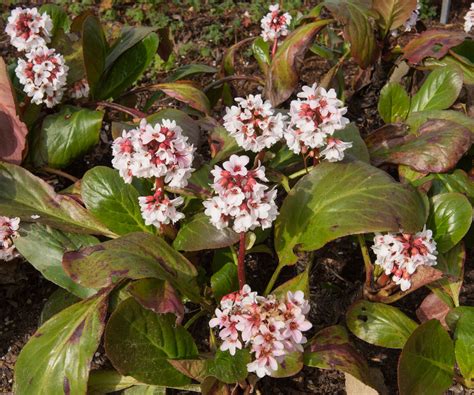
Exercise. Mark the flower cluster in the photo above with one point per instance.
(8, 232)
(79, 89)
(253, 123)
(315, 116)
(271, 328)
(158, 209)
(28, 28)
(469, 19)
(410, 23)
(158, 151)
(240, 199)
(275, 24)
(400, 254)
(43, 75)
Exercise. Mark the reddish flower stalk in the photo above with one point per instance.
(274, 48)
(241, 261)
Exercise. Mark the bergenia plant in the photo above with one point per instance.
(186, 221)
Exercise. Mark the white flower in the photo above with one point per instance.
(414, 16)
(275, 24)
(8, 233)
(469, 19)
(28, 28)
(269, 327)
(334, 151)
(240, 201)
(43, 75)
(79, 89)
(253, 123)
(158, 210)
(315, 116)
(159, 150)
(401, 254)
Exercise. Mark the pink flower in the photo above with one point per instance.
(275, 24)
(158, 210)
(28, 28)
(469, 19)
(79, 89)
(8, 233)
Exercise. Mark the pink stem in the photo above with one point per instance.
(241, 261)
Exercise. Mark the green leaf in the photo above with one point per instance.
(451, 264)
(436, 147)
(57, 358)
(44, 248)
(458, 181)
(189, 70)
(223, 145)
(227, 368)
(359, 150)
(330, 349)
(340, 199)
(451, 61)
(394, 13)
(464, 346)
(225, 281)
(94, 49)
(355, 16)
(416, 119)
(58, 16)
(134, 256)
(426, 365)
(23, 195)
(129, 37)
(66, 136)
(112, 201)
(379, 324)
(261, 53)
(439, 91)
(291, 365)
(186, 93)
(57, 302)
(283, 75)
(129, 66)
(394, 103)
(450, 218)
(199, 234)
(139, 343)
(158, 296)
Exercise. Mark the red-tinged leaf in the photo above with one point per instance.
(186, 93)
(435, 148)
(222, 144)
(355, 16)
(228, 63)
(393, 13)
(283, 76)
(57, 358)
(158, 296)
(12, 130)
(133, 256)
(433, 307)
(432, 44)
(330, 349)
(195, 369)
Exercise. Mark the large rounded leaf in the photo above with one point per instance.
(426, 365)
(339, 199)
(436, 147)
(56, 360)
(394, 103)
(464, 345)
(186, 93)
(199, 234)
(139, 343)
(283, 75)
(134, 256)
(379, 324)
(44, 248)
(416, 119)
(394, 13)
(66, 136)
(439, 91)
(24, 195)
(113, 201)
(450, 219)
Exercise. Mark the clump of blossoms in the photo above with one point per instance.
(271, 328)
(253, 123)
(241, 201)
(315, 116)
(401, 254)
(43, 75)
(157, 151)
(28, 28)
(469, 19)
(8, 232)
(275, 24)
(79, 89)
